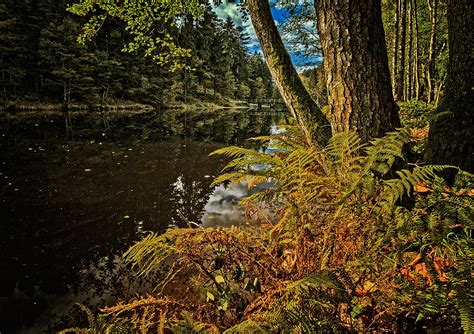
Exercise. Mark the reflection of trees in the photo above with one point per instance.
(227, 126)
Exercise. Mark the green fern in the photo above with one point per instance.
(383, 152)
(397, 188)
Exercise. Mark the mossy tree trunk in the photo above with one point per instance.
(307, 113)
(452, 130)
(356, 67)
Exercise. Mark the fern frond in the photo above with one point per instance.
(396, 189)
(152, 251)
(99, 324)
(327, 279)
(382, 152)
(247, 326)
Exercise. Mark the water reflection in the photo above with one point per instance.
(70, 208)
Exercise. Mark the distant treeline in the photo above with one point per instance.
(41, 61)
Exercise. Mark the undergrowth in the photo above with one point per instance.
(366, 241)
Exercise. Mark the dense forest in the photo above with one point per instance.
(42, 62)
(359, 202)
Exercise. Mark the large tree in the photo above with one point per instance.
(354, 49)
(299, 102)
(452, 129)
(356, 67)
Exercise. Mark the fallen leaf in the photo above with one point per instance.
(210, 296)
(368, 286)
(421, 188)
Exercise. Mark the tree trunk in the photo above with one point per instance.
(308, 115)
(399, 79)
(416, 64)
(452, 130)
(396, 43)
(409, 76)
(433, 7)
(356, 67)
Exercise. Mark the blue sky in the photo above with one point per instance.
(231, 10)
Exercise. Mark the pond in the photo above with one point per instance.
(71, 207)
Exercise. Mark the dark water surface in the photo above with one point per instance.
(71, 207)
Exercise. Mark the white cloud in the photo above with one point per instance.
(231, 10)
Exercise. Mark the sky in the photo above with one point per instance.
(280, 15)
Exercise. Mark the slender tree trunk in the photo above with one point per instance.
(356, 67)
(409, 76)
(430, 70)
(308, 115)
(439, 84)
(185, 86)
(396, 43)
(416, 64)
(452, 130)
(439, 89)
(400, 74)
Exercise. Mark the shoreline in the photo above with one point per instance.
(75, 107)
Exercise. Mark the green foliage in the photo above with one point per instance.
(417, 46)
(44, 62)
(149, 24)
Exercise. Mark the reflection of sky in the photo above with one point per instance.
(222, 208)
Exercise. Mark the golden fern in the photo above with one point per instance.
(100, 324)
(248, 326)
(153, 251)
(312, 304)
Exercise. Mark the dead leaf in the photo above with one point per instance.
(421, 187)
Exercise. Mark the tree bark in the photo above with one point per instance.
(309, 116)
(356, 67)
(452, 130)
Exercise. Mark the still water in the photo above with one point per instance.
(71, 207)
